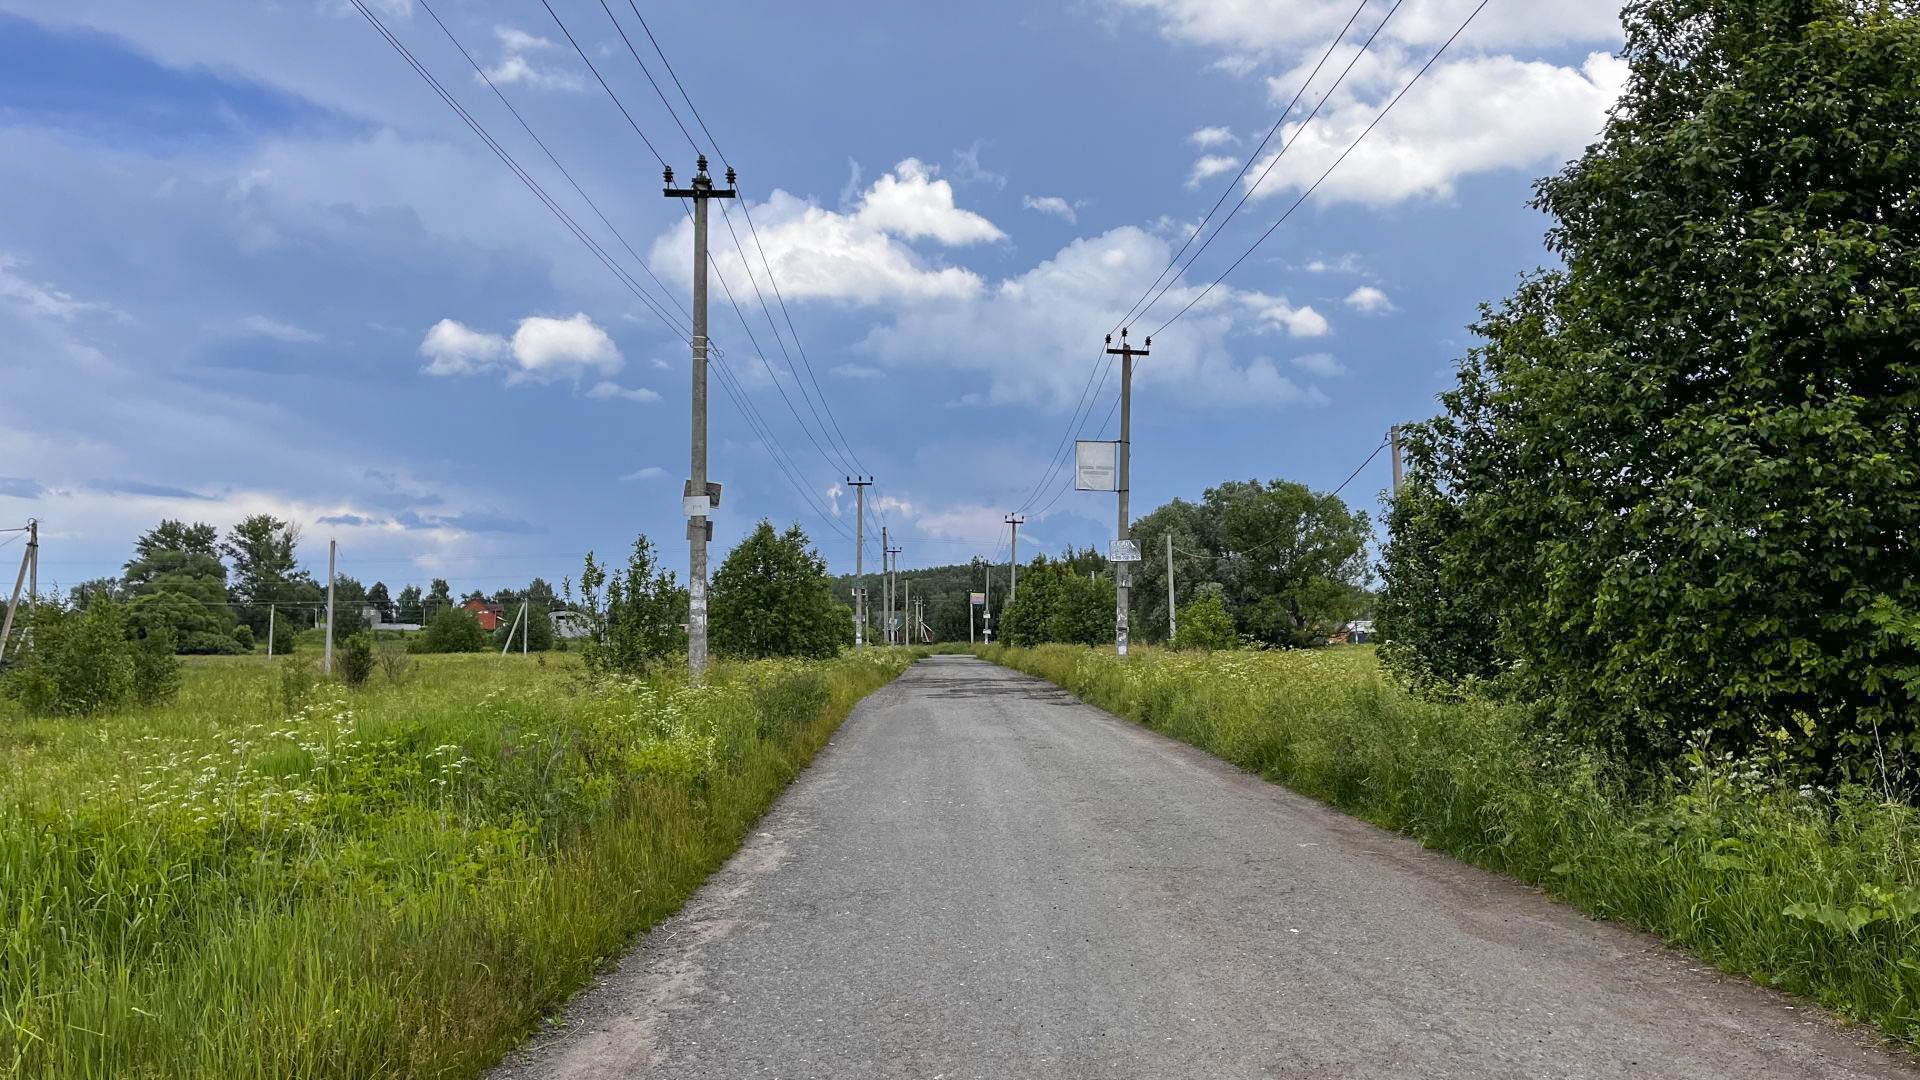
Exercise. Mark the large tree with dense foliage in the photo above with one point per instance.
(179, 590)
(1681, 473)
(772, 597)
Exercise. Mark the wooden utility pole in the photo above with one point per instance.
(699, 497)
(1013, 558)
(326, 660)
(859, 487)
(1123, 569)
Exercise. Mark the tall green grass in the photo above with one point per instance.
(276, 877)
(1811, 891)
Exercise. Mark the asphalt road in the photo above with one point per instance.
(982, 877)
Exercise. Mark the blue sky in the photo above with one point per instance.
(251, 263)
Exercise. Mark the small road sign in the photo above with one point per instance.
(1123, 551)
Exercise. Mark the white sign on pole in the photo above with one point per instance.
(1123, 551)
(977, 599)
(1096, 466)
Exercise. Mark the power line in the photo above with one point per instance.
(1304, 196)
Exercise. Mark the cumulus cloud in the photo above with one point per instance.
(859, 255)
(1209, 166)
(607, 391)
(1207, 138)
(1247, 30)
(1053, 205)
(1368, 300)
(1468, 116)
(544, 346)
(453, 348)
(541, 349)
(1050, 308)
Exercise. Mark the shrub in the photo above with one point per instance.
(452, 631)
(156, 670)
(1205, 624)
(772, 597)
(72, 663)
(356, 660)
(636, 620)
(394, 660)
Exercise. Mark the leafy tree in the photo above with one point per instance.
(408, 608)
(179, 588)
(1197, 545)
(1439, 617)
(267, 575)
(772, 597)
(1058, 602)
(1297, 560)
(1684, 464)
(349, 607)
(637, 616)
(1205, 624)
(379, 599)
(107, 588)
(439, 597)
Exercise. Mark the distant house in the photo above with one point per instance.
(571, 625)
(377, 620)
(490, 615)
(1359, 631)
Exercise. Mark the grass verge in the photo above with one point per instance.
(275, 877)
(1808, 890)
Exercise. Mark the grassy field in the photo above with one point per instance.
(277, 877)
(1811, 891)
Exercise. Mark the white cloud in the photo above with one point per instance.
(1467, 116)
(541, 348)
(42, 299)
(857, 256)
(1368, 300)
(263, 326)
(833, 493)
(1058, 308)
(1275, 313)
(1250, 29)
(514, 66)
(1054, 205)
(968, 170)
(1322, 364)
(660, 365)
(607, 391)
(453, 348)
(651, 472)
(1209, 166)
(857, 371)
(544, 346)
(1346, 264)
(1207, 138)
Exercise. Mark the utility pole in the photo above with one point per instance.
(699, 497)
(33, 559)
(1173, 627)
(1013, 559)
(269, 631)
(326, 662)
(893, 594)
(987, 618)
(13, 604)
(1393, 436)
(859, 487)
(906, 612)
(886, 589)
(1122, 570)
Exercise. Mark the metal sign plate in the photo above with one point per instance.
(977, 598)
(1123, 551)
(1096, 466)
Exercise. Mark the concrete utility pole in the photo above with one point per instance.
(987, 617)
(326, 661)
(886, 589)
(13, 604)
(1123, 571)
(906, 612)
(1013, 559)
(33, 558)
(269, 631)
(893, 593)
(859, 487)
(699, 497)
(1393, 436)
(1173, 627)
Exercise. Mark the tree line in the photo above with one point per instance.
(1673, 497)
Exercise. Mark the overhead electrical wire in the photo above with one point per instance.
(1090, 393)
(1348, 152)
(526, 178)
